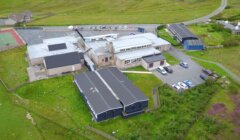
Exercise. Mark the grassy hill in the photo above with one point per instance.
(60, 12)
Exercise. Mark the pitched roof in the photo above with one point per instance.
(62, 60)
(153, 58)
(181, 30)
(99, 97)
(123, 88)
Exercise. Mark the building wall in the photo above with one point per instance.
(109, 114)
(60, 70)
(121, 63)
(155, 64)
(36, 61)
(163, 48)
(138, 106)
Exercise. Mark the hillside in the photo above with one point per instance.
(60, 12)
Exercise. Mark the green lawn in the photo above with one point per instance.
(137, 68)
(145, 83)
(13, 67)
(170, 59)
(58, 12)
(229, 57)
(14, 124)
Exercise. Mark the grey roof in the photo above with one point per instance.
(181, 31)
(99, 97)
(55, 47)
(153, 58)
(194, 42)
(228, 25)
(61, 60)
(124, 89)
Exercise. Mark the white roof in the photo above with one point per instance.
(98, 37)
(41, 50)
(137, 53)
(98, 47)
(156, 41)
(125, 43)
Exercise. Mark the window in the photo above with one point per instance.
(150, 65)
(127, 61)
(110, 57)
(106, 59)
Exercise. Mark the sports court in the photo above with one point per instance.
(9, 38)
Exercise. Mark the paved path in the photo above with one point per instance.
(205, 18)
(233, 75)
(138, 72)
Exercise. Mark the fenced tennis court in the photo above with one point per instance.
(9, 38)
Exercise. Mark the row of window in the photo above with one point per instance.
(133, 60)
(134, 48)
(151, 64)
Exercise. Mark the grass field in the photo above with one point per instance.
(232, 12)
(13, 67)
(58, 12)
(229, 57)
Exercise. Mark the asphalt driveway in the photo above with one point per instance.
(179, 73)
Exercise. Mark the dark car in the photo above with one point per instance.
(169, 70)
(208, 72)
(203, 76)
(183, 64)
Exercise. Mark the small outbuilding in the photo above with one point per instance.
(63, 63)
(153, 61)
(194, 44)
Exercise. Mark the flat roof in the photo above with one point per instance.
(137, 53)
(98, 47)
(98, 96)
(123, 88)
(62, 60)
(55, 47)
(156, 41)
(42, 50)
(182, 30)
(153, 58)
(125, 43)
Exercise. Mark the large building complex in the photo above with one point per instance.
(124, 52)
(108, 93)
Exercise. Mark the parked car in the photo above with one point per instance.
(182, 85)
(168, 69)
(188, 83)
(184, 64)
(161, 70)
(203, 76)
(208, 72)
(175, 86)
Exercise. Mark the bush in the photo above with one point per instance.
(232, 41)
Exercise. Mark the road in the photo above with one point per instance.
(205, 18)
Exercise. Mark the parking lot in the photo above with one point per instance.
(179, 73)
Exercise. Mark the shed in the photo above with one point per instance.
(194, 44)
(153, 61)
